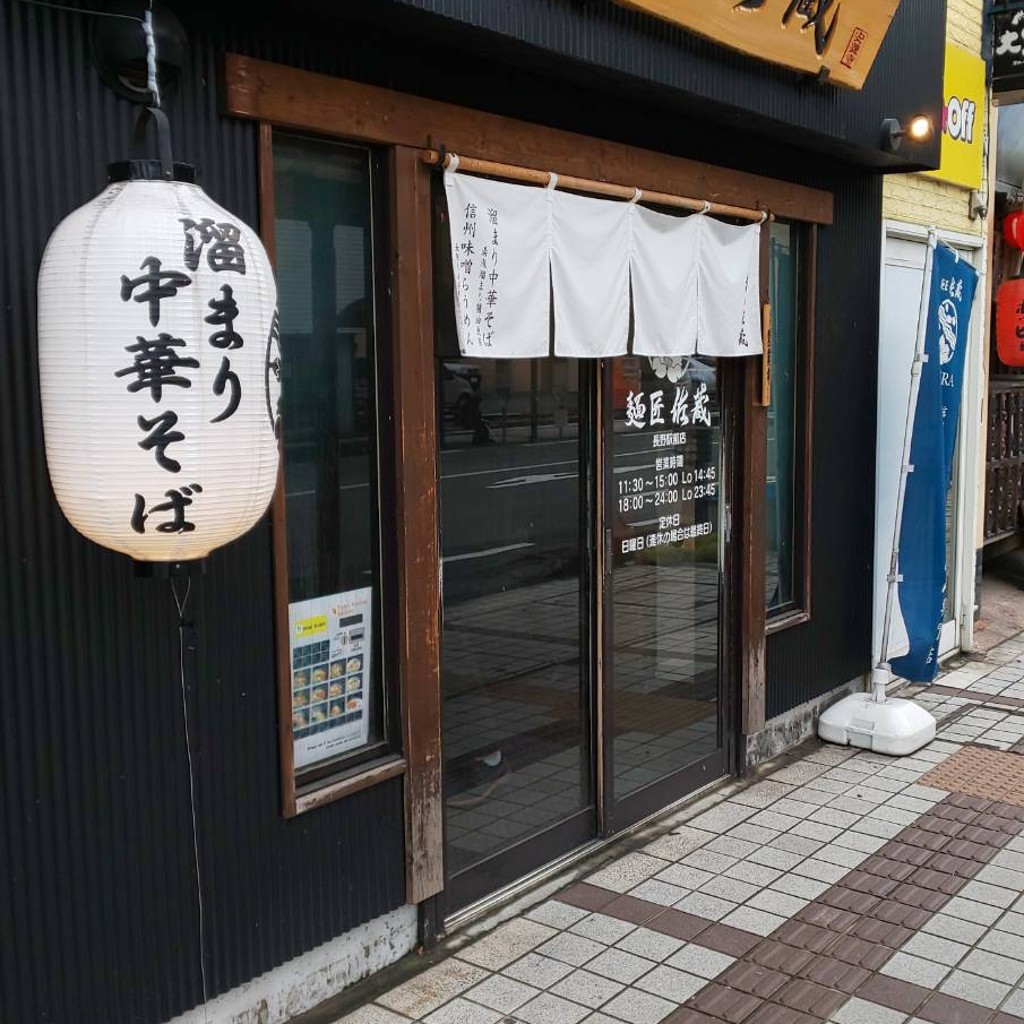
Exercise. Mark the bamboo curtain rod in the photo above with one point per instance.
(511, 172)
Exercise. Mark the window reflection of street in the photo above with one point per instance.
(516, 732)
(665, 620)
(512, 659)
(324, 238)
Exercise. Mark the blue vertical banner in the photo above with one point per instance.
(922, 531)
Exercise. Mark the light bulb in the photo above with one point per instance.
(920, 128)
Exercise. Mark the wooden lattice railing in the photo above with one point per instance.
(1004, 458)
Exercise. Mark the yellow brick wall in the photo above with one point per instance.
(963, 24)
(916, 199)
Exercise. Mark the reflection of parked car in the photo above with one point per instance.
(460, 383)
(458, 395)
(467, 371)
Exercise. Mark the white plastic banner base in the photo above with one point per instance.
(871, 720)
(897, 727)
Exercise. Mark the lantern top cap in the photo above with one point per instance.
(148, 170)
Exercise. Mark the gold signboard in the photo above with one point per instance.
(841, 37)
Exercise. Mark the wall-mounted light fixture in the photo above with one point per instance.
(119, 52)
(919, 129)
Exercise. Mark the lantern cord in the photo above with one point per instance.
(82, 10)
(147, 31)
(184, 629)
(146, 21)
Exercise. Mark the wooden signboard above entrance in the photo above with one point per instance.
(840, 36)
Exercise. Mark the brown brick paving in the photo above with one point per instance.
(774, 954)
(773, 1013)
(894, 993)
(723, 1003)
(982, 772)
(943, 1009)
(834, 974)
(629, 908)
(726, 939)
(977, 695)
(754, 978)
(834, 947)
(586, 896)
(681, 925)
(685, 1015)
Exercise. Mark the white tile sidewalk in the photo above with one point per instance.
(752, 860)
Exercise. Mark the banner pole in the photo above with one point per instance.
(881, 674)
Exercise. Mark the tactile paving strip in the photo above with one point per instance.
(981, 772)
(835, 947)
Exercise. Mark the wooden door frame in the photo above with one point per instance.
(282, 97)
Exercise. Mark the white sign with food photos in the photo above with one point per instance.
(331, 670)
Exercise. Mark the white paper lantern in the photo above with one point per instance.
(159, 370)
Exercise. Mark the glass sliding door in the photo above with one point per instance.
(515, 664)
(580, 693)
(515, 440)
(664, 507)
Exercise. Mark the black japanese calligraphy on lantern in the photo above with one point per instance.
(224, 315)
(178, 500)
(222, 243)
(272, 375)
(160, 436)
(157, 285)
(156, 365)
(227, 378)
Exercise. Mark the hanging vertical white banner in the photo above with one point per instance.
(590, 275)
(728, 289)
(663, 264)
(501, 243)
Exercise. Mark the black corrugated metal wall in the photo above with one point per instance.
(655, 57)
(835, 646)
(98, 921)
(97, 907)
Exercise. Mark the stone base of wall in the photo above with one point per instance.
(308, 980)
(795, 726)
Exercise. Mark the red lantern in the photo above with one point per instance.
(1010, 321)
(1013, 229)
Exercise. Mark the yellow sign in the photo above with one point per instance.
(963, 119)
(842, 36)
(307, 627)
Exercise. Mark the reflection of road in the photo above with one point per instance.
(514, 650)
(509, 512)
(497, 496)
